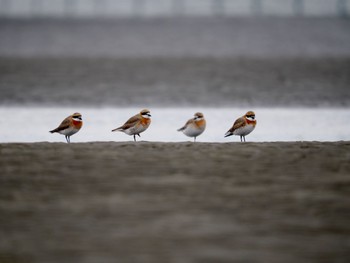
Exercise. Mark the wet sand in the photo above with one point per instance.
(174, 202)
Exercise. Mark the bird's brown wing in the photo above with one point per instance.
(187, 123)
(64, 125)
(237, 124)
(129, 123)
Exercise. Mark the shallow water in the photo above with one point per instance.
(32, 124)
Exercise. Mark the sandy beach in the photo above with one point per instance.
(174, 202)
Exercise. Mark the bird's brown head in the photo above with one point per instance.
(145, 113)
(77, 116)
(198, 116)
(250, 115)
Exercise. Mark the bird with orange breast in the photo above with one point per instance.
(69, 126)
(243, 125)
(195, 126)
(136, 124)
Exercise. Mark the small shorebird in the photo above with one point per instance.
(243, 125)
(195, 126)
(136, 124)
(70, 126)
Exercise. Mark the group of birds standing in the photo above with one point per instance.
(141, 121)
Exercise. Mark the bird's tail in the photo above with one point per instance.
(55, 130)
(228, 134)
(181, 129)
(117, 129)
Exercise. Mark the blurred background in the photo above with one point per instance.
(242, 54)
(167, 8)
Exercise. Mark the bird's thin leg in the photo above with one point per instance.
(139, 135)
(194, 139)
(244, 138)
(135, 137)
(67, 139)
(241, 137)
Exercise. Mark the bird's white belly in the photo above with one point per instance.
(69, 131)
(193, 131)
(135, 130)
(244, 130)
